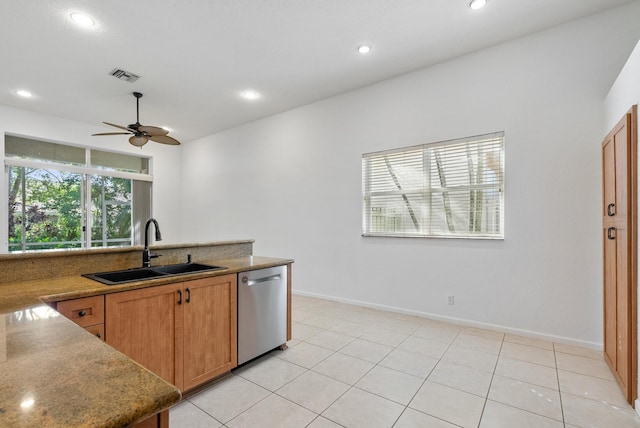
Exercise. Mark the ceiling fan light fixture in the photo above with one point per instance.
(138, 141)
(477, 4)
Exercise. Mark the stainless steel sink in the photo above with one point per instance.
(141, 274)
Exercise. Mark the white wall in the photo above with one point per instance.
(624, 93)
(293, 181)
(166, 162)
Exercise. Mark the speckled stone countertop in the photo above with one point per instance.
(15, 295)
(55, 374)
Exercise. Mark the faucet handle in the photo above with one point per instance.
(188, 258)
(154, 256)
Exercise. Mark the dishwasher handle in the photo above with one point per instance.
(250, 282)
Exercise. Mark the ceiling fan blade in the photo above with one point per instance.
(164, 139)
(138, 141)
(112, 133)
(152, 130)
(118, 126)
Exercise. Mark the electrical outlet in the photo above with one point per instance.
(451, 300)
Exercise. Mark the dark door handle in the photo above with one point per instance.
(188, 295)
(610, 234)
(180, 299)
(610, 211)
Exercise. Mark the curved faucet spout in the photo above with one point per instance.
(146, 253)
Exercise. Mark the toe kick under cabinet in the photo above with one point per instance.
(185, 332)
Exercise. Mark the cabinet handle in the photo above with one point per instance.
(82, 313)
(610, 235)
(180, 299)
(99, 335)
(188, 295)
(610, 211)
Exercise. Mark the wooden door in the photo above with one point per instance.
(146, 325)
(619, 166)
(210, 329)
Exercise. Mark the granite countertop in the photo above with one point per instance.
(16, 295)
(55, 374)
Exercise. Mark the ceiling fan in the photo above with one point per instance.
(140, 134)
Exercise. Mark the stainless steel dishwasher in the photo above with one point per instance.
(262, 311)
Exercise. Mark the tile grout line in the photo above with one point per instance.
(486, 398)
(425, 379)
(555, 359)
(350, 386)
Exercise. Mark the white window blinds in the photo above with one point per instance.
(447, 189)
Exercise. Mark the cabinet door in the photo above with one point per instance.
(97, 330)
(610, 298)
(210, 326)
(623, 311)
(619, 165)
(146, 325)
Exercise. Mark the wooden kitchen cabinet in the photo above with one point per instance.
(87, 312)
(619, 237)
(183, 332)
(210, 325)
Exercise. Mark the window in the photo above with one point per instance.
(64, 196)
(447, 189)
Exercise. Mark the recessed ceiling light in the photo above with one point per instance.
(477, 4)
(364, 49)
(82, 20)
(24, 93)
(250, 94)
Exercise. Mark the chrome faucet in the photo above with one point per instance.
(146, 253)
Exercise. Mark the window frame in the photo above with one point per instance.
(87, 173)
(425, 192)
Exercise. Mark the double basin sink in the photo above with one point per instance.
(144, 273)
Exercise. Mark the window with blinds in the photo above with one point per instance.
(452, 189)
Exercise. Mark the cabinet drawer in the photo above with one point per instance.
(97, 330)
(84, 312)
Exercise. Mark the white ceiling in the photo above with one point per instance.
(195, 56)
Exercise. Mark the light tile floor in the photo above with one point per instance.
(357, 367)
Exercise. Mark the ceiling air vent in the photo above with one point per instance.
(127, 76)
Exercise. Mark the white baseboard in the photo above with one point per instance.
(469, 323)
